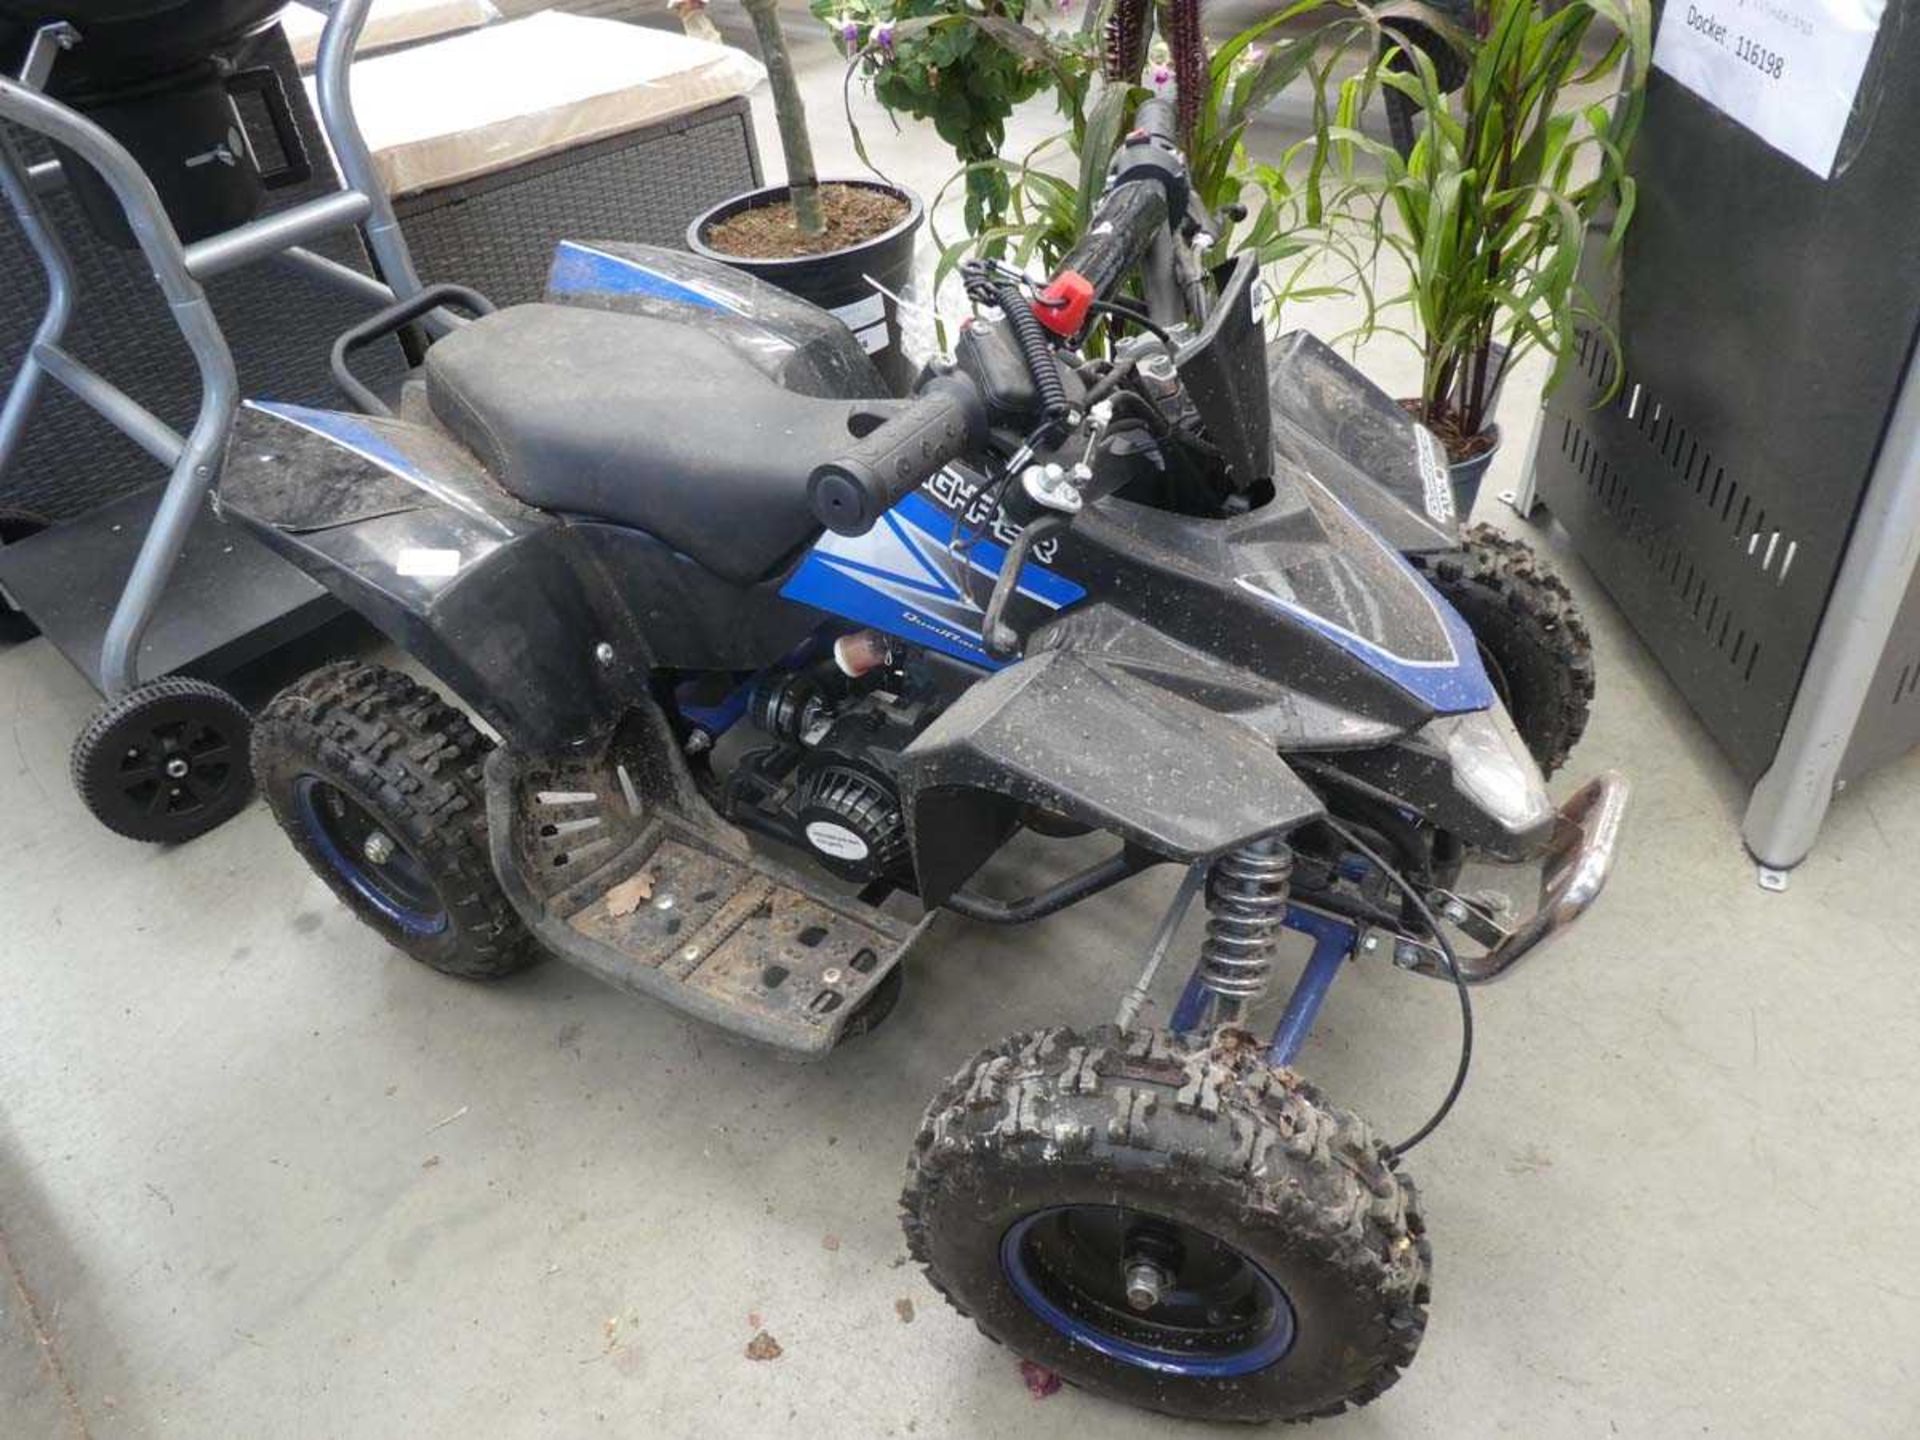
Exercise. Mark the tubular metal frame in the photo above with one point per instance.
(179, 270)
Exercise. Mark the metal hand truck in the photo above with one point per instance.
(165, 759)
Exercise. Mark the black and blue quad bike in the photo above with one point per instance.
(778, 662)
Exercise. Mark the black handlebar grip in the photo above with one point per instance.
(1123, 226)
(1159, 119)
(943, 422)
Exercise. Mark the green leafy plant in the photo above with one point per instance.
(1489, 210)
(962, 64)
(1052, 188)
(1242, 78)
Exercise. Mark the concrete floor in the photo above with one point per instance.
(260, 1175)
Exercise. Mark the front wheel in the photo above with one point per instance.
(1532, 639)
(1170, 1223)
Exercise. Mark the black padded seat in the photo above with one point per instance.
(645, 422)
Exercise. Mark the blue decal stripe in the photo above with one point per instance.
(859, 567)
(819, 584)
(1453, 688)
(899, 527)
(873, 579)
(580, 269)
(1450, 688)
(988, 556)
(352, 431)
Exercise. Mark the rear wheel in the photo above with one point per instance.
(1532, 639)
(1170, 1223)
(377, 781)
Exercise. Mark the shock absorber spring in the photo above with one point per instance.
(1246, 900)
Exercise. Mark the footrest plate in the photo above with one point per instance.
(679, 916)
(740, 937)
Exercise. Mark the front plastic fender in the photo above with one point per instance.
(1068, 733)
(1354, 438)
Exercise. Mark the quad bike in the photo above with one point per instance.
(765, 648)
(778, 662)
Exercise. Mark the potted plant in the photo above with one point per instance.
(1488, 209)
(845, 245)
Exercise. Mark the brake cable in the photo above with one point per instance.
(1413, 894)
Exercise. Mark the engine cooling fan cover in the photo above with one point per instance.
(853, 822)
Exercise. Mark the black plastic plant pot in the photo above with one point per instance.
(842, 281)
(1465, 475)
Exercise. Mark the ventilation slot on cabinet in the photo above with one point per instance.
(1667, 558)
(1770, 548)
(1908, 682)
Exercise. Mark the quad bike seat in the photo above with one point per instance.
(641, 421)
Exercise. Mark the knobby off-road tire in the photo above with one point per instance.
(1202, 1133)
(353, 748)
(1539, 654)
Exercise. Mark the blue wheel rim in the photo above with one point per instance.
(1227, 1318)
(398, 889)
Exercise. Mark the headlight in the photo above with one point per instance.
(1492, 768)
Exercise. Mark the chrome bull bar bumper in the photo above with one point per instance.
(1573, 871)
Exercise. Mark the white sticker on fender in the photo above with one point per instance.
(835, 840)
(432, 563)
(1435, 484)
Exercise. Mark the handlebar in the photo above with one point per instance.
(943, 422)
(1147, 192)
(1159, 119)
(1123, 227)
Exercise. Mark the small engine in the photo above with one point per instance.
(852, 821)
(827, 784)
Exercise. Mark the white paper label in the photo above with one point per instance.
(428, 562)
(1786, 69)
(836, 840)
(856, 313)
(873, 339)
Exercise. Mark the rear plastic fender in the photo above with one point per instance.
(796, 343)
(1066, 733)
(503, 605)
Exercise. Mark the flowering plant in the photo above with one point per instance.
(964, 65)
(1051, 190)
